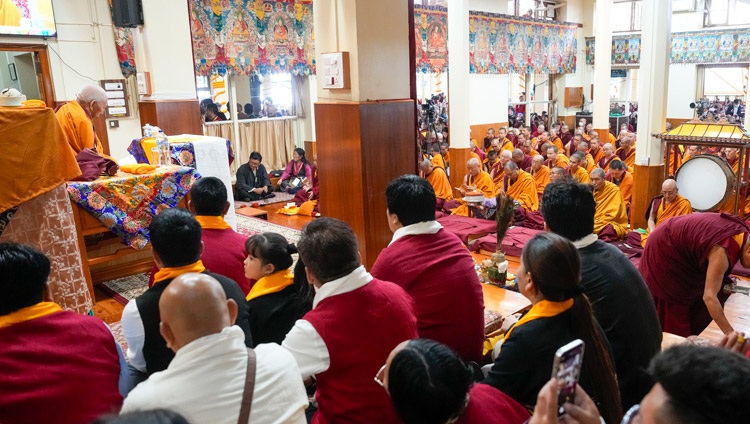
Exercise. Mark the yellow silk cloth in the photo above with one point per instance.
(629, 159)
(590, 164)
(440, 183)
(508, 145)
(610, 209)
(138, 168)
(438, 160)
(34, 155)
(28, 313)
(483, 183)
(581, 175)
(680, 206)
(541, 178)
(542, 309)
(598, 155)
(78, 128)
(272, 283)
(212, 222)
(168, 273)
(9, 14)
(286, 210)
(626, 187)
(524, 190)
(307, 208)
(557, 142)
(562, 161)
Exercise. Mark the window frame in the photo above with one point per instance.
(632, 27)
(731, 5)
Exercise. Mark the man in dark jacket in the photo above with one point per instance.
(253, 182)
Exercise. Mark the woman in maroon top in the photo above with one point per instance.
(428, 382)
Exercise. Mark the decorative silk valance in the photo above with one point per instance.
(725, 46)
(431, 38)
(252, 36)
(502, 44)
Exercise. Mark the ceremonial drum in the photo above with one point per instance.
(707, 181)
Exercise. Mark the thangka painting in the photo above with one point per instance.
(125, 48)
(501, 44)
(698, 47)
(431, 38)
(253, 36)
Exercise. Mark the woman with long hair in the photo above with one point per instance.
(279, 297)
(549, 277)
(297, 170)
(429, 384)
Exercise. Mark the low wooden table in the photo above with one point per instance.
(737, 311)
(252, 212)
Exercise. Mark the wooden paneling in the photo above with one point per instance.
(570, 121)
(458, 158)
(173, 116)
(573, 96)
(361, 147)
(311, 149)
(603, 133)
(480, 130)
(648, 181)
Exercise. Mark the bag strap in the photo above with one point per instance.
(247, 394)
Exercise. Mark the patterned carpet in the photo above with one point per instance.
(248, 226)
(116, 329)
(279, 198)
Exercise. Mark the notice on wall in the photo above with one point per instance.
(117, 95)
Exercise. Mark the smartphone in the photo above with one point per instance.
(567, 370)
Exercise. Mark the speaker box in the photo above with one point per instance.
(127, 13)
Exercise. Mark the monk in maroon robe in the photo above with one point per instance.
(685, 264)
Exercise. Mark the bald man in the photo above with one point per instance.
(498, 171)
(577, 170)
(438, 179)
(608, 155)
(557, 173)
(541, 173)
(522, 159)
(76, 118)
(619, 175)
(475, 180)
(611, 218)
(667, 205)
(206, 380)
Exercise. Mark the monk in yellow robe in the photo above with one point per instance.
(576, 171)
(541, 174)
(438, 179)
(619, 175)
(583, 148)
(498, 171)
(437, 157)
(553, 138)
(671, 204)
(445, 151)
(611, 217)
(555, 158)
(527, 148)
(595, 150)
(475, 180)
(75, 118)
(608, 155)
(626, 152)
(520, 186)
(9, 14)
(490, 161)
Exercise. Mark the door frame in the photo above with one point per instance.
(44, 74)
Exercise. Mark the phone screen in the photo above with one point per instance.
(567, 370)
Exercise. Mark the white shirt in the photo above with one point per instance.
(586, 241)
(304, 342)
(135, 335)
(206, 379)
(426, 227)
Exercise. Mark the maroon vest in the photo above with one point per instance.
(61, 368)
(360, 328)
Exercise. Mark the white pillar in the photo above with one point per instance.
(653, 79)
(458, 73)
(603, 64)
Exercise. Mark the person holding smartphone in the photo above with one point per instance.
(549, 276)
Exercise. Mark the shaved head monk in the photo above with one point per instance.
(667, 205)
(611, 217)
(595, 150)
(206, 380)
(520, 185)
(438, 179)
(608, 155)
(619, 176)
(437, 157)
(522, 159)
(583, 148)
(541, 173)
(555, 158)
(576, 171)
(75, 118)
(686, 262)
(557, 173)
(475, 180)
(498, 171)
(626, 152)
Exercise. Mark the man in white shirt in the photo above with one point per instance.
(205, 381)
(355, 322)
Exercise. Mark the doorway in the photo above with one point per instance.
(25, 67)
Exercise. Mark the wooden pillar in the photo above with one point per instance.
(647, 184)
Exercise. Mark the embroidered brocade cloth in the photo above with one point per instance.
(126, 203)
(183, 152)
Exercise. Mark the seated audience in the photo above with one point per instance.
(522, 160)
(213, 114)
(583, 148)
(611, 218)
(310, 191)
(618, 175)
(434, 267)
(206, 380)
(687, 391)
(437, 157)
(56, 365)
(620, 299)
(608, 155)
(576, 171)
(557, 173)
(253, 182)
(296, 171)
(595, 150)
(241, 112)
(250, 111)
(75, 118)
(490, 161)
(541, 174)
(521, 187)
(667, 205)
(626, 152)
(554, 158)
(429, 383)
(686, 262)
(475, 180)
(549, 276)
(279, 297)
(176, 247)
(438, 179)
(498, 171)
(488, 137)
(355, 322)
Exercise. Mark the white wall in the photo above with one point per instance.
(488, 94)
(682, 90)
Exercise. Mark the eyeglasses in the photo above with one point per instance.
(379, 376)
(668, 193)
(633, 416)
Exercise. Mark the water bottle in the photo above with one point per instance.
(162, 145)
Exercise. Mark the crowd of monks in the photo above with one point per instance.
(522, 162)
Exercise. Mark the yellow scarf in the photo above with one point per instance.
(167, 273)
(39, 310)
(273, 283)
(212, 222)
(543, 309)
